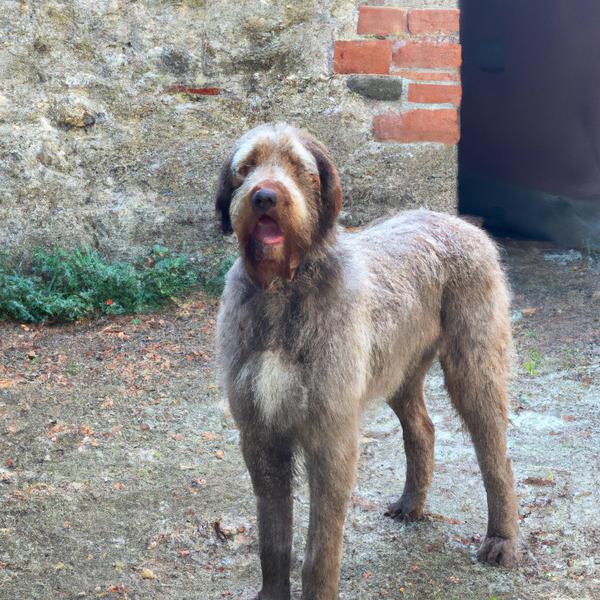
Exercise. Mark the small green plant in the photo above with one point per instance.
(74, 368)
(212, 277)
(534, 361)
(63, 285)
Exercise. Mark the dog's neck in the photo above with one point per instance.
(319, 269)
(317, 272)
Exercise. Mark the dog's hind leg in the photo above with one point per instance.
(475, 359)
(418, 433)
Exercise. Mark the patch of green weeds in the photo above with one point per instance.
(62, 285)
(534, 361)
(212, 275)
(74, 369)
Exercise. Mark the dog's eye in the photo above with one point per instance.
(244, 169)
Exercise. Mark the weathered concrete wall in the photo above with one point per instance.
(97, 147)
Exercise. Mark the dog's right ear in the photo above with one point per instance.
(223, 198)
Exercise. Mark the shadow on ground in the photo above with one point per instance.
(121, 476)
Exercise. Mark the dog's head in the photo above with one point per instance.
(280, 192)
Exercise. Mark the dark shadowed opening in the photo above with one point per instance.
(529, 155)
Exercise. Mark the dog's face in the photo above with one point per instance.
(279, 192)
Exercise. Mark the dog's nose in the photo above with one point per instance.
(264, 198)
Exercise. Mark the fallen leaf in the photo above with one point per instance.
(538, 481)
(147, 574)
(435, 547)
(6, 384)
(119, 588)
(219, 532)
(153, 543)
(437, 517)
(461, 540)
(198, 482)
(527, 312)
(6, 476)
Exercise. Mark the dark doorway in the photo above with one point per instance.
(529, 155)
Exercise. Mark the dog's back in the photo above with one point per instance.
(428, 276)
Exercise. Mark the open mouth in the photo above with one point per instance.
(268, 231)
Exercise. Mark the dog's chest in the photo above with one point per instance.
(277, 351)
(280, 394)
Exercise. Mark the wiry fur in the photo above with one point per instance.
(363, 316)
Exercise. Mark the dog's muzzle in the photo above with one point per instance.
(264, 199)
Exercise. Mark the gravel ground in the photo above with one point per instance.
(121, 475)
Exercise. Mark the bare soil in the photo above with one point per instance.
(120, 474)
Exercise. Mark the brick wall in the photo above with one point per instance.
(408, 59)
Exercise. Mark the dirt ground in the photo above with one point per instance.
(121, 475)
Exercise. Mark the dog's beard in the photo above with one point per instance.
(270, 265)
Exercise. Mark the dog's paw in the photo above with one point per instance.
(404, 510)
(273, 594)
(498, 551)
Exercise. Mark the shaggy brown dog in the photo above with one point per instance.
(314, 322)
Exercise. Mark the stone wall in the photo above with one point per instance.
(115, 115)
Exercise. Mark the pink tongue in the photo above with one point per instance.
(267, 231)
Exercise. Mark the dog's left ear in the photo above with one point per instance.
(223, 197)
(331, 187)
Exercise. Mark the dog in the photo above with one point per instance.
(315, 321)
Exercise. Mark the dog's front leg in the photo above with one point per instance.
(269, 461)
(331, 463)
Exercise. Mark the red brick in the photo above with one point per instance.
(433, 21)
(434, 94)
(362, 56)
(427, 56)
(418, 125)
(194, 91)
(381, 20)
(428, 75)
